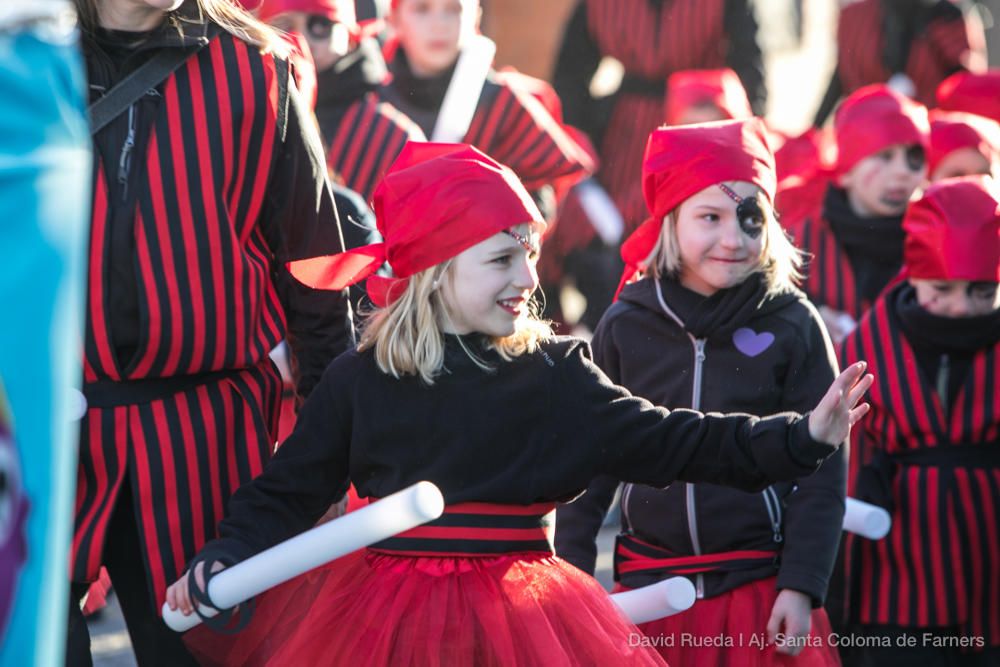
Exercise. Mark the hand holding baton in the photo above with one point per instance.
(373, 523)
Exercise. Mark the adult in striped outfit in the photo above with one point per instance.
(854, 234)
(930, 450)
(652, 39)
(919, 42)
(362, 133)
(508, 123)
(203, 189)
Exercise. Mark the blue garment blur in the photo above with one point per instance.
(45, 168)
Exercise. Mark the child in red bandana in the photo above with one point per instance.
(853, 236)
(715, 324)
(962, 144)
(929, 593)
(454, 381)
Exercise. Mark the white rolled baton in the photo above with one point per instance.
(866, 520)
(373, 523)
(656, 601)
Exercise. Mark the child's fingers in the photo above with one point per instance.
(857, 413)
(859, 389)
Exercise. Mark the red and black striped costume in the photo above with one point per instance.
(364, 142)
(942, 41)
(652, 39)
(224, 191)
(936, 464)
(829, 277)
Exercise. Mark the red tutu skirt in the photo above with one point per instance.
(378, 609)
(730, 630)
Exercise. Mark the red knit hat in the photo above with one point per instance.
(721, 88)
(873, 118)
(972, 93)
(435, 201)
(952, 130)
(953, 231)
(341, 11)
(683, 160)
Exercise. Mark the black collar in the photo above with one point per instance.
(351, 77)
(424, 93)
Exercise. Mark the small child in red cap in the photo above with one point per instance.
(962, 144)
(929, 593)
(454, 381)
(715, 324)
(854, 237)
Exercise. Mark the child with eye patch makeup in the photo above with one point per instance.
(854, 236)
(930, 452)
(456, 382)
(713, 322)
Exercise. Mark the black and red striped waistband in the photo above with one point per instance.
(476, 529)
(634, 557)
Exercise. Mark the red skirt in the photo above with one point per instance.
(730, 630)
(376, 609)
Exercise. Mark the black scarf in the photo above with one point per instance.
(933, 337)
(720, 314)
(943, 334)
(351, 77)
(873, 245)
(424, 93)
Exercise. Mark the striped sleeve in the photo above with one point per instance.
(515, 129)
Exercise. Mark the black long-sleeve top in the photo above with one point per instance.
(534, 429)
(641, 346)
(297, 217)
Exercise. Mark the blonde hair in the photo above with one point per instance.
(780, 261)
(407, 338)
(227, 14)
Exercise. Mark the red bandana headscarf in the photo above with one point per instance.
(953, 231)
(684, 160)
(873, 118)
(721, 88)
(953, 130)
(971, 93)
(340, 11)
(435, 201)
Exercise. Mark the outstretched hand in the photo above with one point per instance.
(838, 410)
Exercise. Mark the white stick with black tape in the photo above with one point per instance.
(656, 601)
(866, 520)
(462, 97)
(373, 523)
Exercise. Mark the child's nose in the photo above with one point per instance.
(526, 276)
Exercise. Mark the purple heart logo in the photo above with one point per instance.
(751, 343)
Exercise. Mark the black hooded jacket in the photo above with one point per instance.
(759, 354)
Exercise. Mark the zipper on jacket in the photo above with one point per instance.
(125, 156)
(689, 499)
(944, 370)
(773, 504)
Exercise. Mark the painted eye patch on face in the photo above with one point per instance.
(916, 157)
(748, 212)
